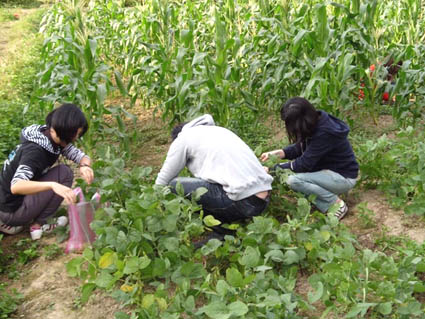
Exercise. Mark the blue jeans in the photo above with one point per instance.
(325, 184)
(215, 202)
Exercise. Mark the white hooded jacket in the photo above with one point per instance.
(217, 155)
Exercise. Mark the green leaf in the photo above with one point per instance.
(210, 221)
(325, 235)
(189, 304)
(360, 308)
(192, 270)
(290, 257)
(216, 310)
(144, 261)
(222, 287)
(170, 223)
(385, 308)
(131, 265)
(148, 301)
(211, 246)
(73, 267)
(250, 257)
(313, 297)
(86, 292)
(104, 280)
(276, 255)
(234, 277)
(198, 57)
(107, 259)
(238, 308)
(121, 315)
(196, 195)
(120, 84)
(419, 287)
(101, 92)
(173, 206)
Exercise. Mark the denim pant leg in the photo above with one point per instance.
(41, 206)
(215, 202)
(325, 184)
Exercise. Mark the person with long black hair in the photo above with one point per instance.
(31, 188)
(320, 155)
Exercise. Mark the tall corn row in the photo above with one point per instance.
(236, 58)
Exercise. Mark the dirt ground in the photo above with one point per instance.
(49, 293)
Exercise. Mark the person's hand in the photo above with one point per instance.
(266, 169)
(65, 192)
(87, 174)
(265, 156)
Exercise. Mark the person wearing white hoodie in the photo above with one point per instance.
(238, 187)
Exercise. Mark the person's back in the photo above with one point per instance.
(237, 185)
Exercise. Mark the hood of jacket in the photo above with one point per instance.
(205, 119)
(34, 134)
(332, 125)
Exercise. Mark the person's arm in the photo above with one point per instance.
(279, 153)
(316, 149)
(85, 169)
(293, 151)
(26, 187)
(175, 161)
(77, 156)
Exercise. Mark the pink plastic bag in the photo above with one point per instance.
(80, 217)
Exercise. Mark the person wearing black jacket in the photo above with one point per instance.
(31, 188)
(321, 155)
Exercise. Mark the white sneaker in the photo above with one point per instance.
(61, 221)
(36, 232)
(10, 230)
(342, 210)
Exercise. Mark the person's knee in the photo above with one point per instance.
(293, 181)
(66, 176)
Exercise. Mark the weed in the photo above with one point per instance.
(27, 250)
(53, 251)
(9, 301)
(366, 216)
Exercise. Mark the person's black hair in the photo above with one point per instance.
(300, 119)
(176, 130)
(66, 120)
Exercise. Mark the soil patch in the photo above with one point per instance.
(382, 219)
(50, 293)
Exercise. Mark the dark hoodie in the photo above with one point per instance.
(29, 161)
(328, 148)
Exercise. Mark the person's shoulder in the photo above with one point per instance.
(30, 149)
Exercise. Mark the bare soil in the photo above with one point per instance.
(50, 293)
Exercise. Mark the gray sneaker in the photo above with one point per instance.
(10, 230)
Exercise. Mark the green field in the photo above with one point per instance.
(138, 67)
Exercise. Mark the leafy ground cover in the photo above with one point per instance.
(117, 59)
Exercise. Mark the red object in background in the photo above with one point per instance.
(16, 16)
(386, 96)
(372, 68)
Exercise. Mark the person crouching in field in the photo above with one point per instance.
(238, 187)
(31, 190)
(321, 155)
